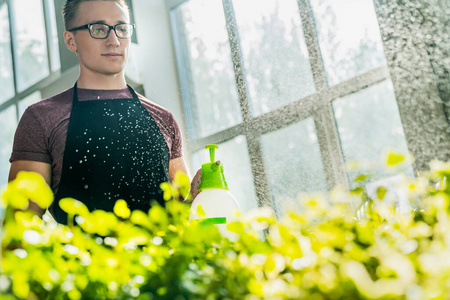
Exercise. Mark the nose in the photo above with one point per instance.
(112, 40)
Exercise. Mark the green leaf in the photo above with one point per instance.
(200, 211)
(139, 217)
(121, 209)
(73, 207)
(395, 159)
(361, 177)
(28, 186)
(158, 215)
(167, 189)
(183, 183)
(381, 192)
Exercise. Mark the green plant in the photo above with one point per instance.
(324, 251)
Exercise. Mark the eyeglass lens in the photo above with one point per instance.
(102, 31)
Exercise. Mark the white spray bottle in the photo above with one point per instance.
(217, 203)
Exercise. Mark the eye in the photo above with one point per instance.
(99, 30)
(122, 28)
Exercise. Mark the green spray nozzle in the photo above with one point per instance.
(212, 172)
(212, 148)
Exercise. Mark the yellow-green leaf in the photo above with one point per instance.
(159, 215)
(167, 189)
(73, 207)
(140, 218)
(15, 199)
(381, 192)
(183, 183)
(395, 159)
(27, 186)
(121, 209)
(200, 211)
(33, 186)
(361, 177)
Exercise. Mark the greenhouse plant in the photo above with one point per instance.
(347, 245)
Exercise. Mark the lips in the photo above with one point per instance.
(112, 54)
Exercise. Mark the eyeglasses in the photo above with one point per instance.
(101, 31)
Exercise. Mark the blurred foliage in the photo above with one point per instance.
(350, 246)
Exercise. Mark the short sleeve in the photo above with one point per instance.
(30, 141)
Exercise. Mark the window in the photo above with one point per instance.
(349, 38)
(27, 101)
(7, 79)
(8, 123)
(211, 94)
(293, 163)
(311, 87)
(369, 126)
(29, 58)
(30, 49)
(274, 53)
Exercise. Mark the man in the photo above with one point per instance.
(99, 141)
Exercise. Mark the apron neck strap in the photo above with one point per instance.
(75, 92)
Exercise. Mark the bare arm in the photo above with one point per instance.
(32, 166)
(175, 165)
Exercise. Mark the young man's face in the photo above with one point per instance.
(100, 56)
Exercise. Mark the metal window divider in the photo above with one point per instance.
(13, 53)
(326, 130)
(253, 139)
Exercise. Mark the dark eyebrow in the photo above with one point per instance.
(104, 22)
(98, 22)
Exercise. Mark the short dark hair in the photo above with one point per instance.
(71, 7)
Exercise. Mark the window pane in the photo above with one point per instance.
(27, 101)
(6, 72)
(8, 123)
(211, 96)
(349, 37)
(369, 124)
(234, 156)
(53, 34)
(30, 41)
(293, 163)
(274, 52)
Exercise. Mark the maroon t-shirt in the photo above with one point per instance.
(42, 130)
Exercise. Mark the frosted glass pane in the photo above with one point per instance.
(369, 125)
(293, 163)
(349, 37)
(6, 72)
(31, 42)
(274, 52)
(234, 156)
(8, 124)
(27, 101)
(210, 94)
(53, 33)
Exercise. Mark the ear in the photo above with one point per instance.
(70, 41)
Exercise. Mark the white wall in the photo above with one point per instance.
(156, 56)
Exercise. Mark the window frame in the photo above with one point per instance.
(53, 74)
(54, 70)
(319, 104)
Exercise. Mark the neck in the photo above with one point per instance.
(102, 82)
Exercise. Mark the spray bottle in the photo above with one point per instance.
(217, 203)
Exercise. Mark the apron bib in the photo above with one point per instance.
(114, 150)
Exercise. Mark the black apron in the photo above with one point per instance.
(114, 150)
